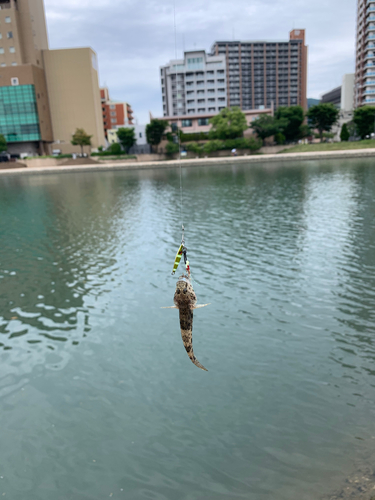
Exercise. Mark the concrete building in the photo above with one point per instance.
(115, 114)
(365, 54)
(347, 92)
(24, 107)
(200, 122)
(73, 90)
(260, 73)
(195, 84)
(45, 95)
(343, 98)
(332, 97)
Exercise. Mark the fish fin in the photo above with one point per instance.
(186, 325)
(201, 305)
(170, 307)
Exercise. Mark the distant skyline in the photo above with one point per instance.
(133, 39)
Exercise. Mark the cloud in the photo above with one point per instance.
(134, 38)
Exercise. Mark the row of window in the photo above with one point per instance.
(189, 123)
(9, 35)
(203, 110)
(12, 50)
(200, 101)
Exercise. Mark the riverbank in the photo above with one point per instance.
(331, 146)
(196, 162)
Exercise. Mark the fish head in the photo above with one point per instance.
(184, 295)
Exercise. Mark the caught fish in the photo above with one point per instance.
(186, 301)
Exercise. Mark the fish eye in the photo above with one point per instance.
(185, 290)
(177, 291)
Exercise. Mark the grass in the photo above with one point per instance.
(331, 146)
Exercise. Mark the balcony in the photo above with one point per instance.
(371, 37)
(369, 82)
(370, 73)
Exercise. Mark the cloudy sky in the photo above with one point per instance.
(134, 37)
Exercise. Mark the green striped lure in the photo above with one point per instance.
(178, 258)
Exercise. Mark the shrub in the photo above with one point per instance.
(198, 136)
(171, 148)
(115, 148)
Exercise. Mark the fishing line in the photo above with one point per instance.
(178, 131)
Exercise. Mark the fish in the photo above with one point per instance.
(185, 301)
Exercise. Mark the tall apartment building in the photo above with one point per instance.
(364, 89)
(115, 114)
(195, 84)
(44, 94)
(262, 73)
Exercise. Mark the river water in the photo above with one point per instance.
(98, 398)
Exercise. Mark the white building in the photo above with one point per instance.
(195, 84)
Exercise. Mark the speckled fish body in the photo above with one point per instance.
(186, 301)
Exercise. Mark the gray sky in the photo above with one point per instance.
(133, 38)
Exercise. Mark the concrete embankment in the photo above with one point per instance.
(197, 162)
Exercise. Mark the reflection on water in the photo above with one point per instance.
(94, 380)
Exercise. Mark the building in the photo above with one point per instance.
(347, 92)
(312, 102)
(25, 118)
(73, 91)
(343, 98)
(332, 97)
(201, 122)
(260, 73)
(195, 84)
(365, 54)
(115, 114)
(45, 95)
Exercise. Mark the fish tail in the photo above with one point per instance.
(196, 362)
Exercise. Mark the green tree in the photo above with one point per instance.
(3, 143)
(155, 130)
(80, 138)
(364, 118)
(126, 136)
(294, 116)
(304, 131)
(171, 148)
(280, 138)
(230, 123)
(267, 126)
(344, 135)
(322, 117)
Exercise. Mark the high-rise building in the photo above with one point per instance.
(24, 107)
(44, 94)
(195, 84)
(364, 88)
(115, 114)
(260, 73)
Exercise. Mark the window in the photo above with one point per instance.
(221, 99)
(211, 99)
(189, 92)
(203, 121)
(201, 110)
(14, 81)
(1, 50)
(200, 91)
(10, 34)
(113, 120)
(14, 64)
(12, 50)
(213, 109)
(7, 19)
(187, 123)
(1, 36)
(112, 106)
(3, 65)
(113, 113)
(201, 100)
(140, 135)
(212, 81)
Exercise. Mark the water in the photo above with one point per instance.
(98, 398)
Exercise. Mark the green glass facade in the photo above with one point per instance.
(19, 121)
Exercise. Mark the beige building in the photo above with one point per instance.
(74, 96)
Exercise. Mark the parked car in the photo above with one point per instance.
(4, 156)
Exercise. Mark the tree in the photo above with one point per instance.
(80, 138)
(279, 138)
(345, 134)
(294, 116)
(364, 118)
(230, 123)
(155, 130)
(3, 143)
(126, 136)
(266, 126)
(322, 117)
